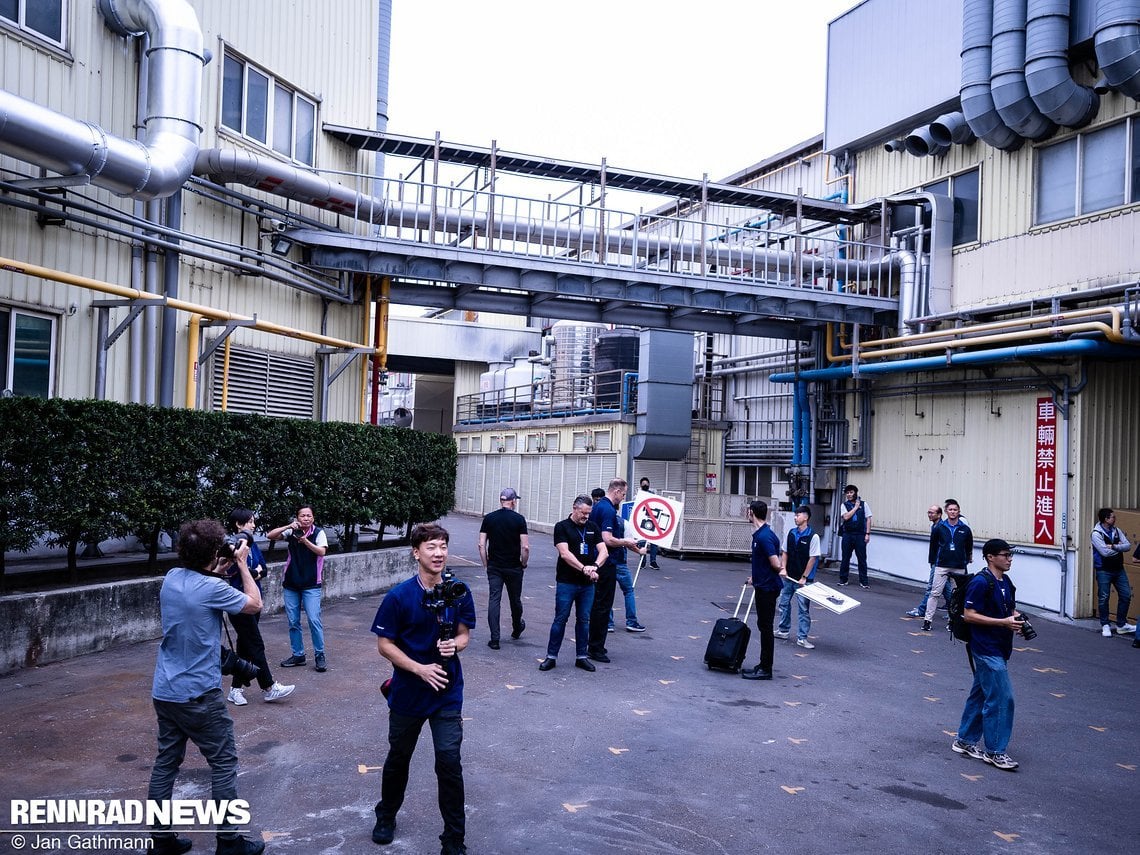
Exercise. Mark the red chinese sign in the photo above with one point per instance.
(1045, 473)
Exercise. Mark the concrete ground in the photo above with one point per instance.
(846, 751)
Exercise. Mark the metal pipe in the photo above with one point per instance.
(1047, 75)
(1007, 73)
(147, 170)
(1070, 348)
(226, 375)
(171, 273)
(1118, 44)
(194, 331)
(14, 266)
(976, 98)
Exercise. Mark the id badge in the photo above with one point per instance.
(584, 548)
(951, 546)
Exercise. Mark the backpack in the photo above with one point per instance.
(956, 606)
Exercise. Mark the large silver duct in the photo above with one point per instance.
(159, 164)
(1007, 73)
(921, 143)
(1118, 44)
(1051, 85)
(951, 128)
(977, 100)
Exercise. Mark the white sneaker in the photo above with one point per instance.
(779, 633)
(1125, 628)
(276, 692)
(1106, 631)
(237, 698)
(805, 644)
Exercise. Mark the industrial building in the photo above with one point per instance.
(937, 297)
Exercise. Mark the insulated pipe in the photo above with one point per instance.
(1072, 347)
(1118, 44)
(162, 162)
(951, 128)
(1007, 73)
(797, 427)
(1051, 86)
(977, 100)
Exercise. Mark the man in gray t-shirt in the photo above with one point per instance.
(187, 693)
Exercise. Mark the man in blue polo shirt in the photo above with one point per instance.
(427, 685)
(767, 583)
(992, 614)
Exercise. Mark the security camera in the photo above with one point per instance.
(274, 225)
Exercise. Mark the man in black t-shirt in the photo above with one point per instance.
(581, 552)
(504, 548)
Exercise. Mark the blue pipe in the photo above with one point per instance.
(805, 424)
(797, 427)
(1071, 347)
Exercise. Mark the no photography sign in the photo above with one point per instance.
(655, 519)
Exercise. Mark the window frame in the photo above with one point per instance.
(8, 319)
(950, 181)
(21, 27)
(1129, 172)
(273, 85)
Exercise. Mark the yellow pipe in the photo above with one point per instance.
(226, 377)
(385, 286)
(195, 329)
(968, 336)
(180, 305)
(366, 317)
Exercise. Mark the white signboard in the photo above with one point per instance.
(655, 519)
(829, 598)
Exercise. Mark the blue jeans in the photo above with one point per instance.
(310, 600)
(1104, 580)
(581, 597)
(653, 555)
(447, 738)
(989, 708)
(625, 581)
(785, 609)
(206, 722)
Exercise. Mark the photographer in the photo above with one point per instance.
(421, 626)
(991, 611)
(250, 645)
(301, 584)
(187, 692)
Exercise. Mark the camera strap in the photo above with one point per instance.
(226, 629)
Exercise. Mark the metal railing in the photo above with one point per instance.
(612, 393)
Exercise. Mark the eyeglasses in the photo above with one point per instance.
(1004, 554)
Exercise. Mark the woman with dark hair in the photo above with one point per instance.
(249, 642)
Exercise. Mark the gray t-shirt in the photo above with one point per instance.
(189, 663)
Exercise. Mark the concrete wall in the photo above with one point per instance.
(39, 628)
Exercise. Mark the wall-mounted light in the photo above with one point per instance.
(280, 245)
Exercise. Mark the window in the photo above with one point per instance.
(27, 343)
(44, 18)
(963, 190)
(1090, 172)
(264, 109)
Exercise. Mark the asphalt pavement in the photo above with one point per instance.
(847, 750)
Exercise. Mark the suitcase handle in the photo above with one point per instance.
(751, 600)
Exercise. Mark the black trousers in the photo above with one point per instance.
(447, 737)
(251, 646)
(600, 611)
(512, 580)
(765, 618)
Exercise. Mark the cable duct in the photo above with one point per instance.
(1007, 73)
(1047, 75)
(977, 100)
(159, 164)
(1118, 45)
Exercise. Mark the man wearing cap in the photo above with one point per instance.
(504, 548)
(991, 612)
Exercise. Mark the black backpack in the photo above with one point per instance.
(956, 607)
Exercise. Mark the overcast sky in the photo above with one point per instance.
(664, 86)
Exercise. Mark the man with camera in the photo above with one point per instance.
(991, 611)
(186, 691)
(421, 626)
(301, 585)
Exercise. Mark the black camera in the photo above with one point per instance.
(441, 598)
(242, 669)
(1026, 629)
(228, 549)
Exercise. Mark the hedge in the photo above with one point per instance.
(82, 471)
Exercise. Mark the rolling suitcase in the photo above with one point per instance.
(730, 636)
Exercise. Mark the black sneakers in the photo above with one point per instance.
(293, 661)
(384, 831)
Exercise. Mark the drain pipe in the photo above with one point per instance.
(1051, 86)
(170, 272)
(977, 99)
(1117, 43)
(1007, 73)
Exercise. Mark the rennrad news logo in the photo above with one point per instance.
(133, 812)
